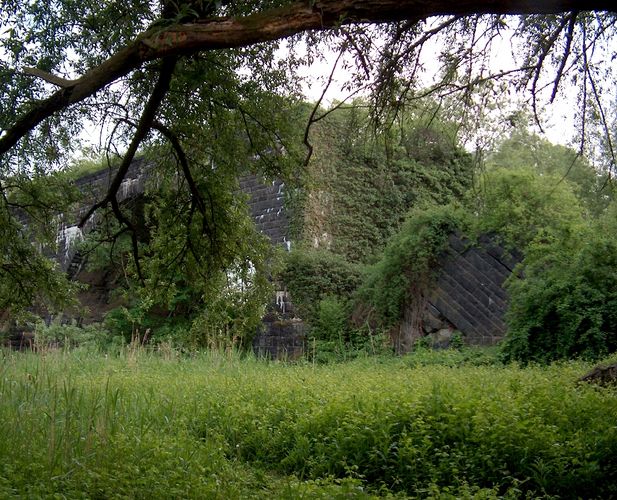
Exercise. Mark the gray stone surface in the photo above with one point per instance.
(282, 335)
(468, 292)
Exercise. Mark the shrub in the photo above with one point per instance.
(314, 275)
(566, 306)
(408, 260)
(331, 320)
(70, 335)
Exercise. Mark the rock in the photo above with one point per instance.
(602, 375)
(441, 338)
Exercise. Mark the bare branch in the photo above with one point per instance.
(312, 119)
(546, 49)
(566, 54)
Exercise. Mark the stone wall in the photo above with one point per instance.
(468, 294)
(267, 207)
(282, 334)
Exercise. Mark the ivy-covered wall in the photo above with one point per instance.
(361, 182)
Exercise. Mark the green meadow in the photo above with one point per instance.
(429, 425)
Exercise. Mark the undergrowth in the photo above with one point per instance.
(214, 425)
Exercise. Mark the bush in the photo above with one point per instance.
(70, 335)
(314, 275)
(566, 306)
(334, 339)
(408, 260)
(331, 320)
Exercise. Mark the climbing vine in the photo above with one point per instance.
(362, 181)
(408, 261)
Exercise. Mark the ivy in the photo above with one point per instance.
(409, 260)
(362, 182)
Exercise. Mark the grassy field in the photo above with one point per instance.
(82, 425)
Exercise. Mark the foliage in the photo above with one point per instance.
(525, 150)
(519, 204)
(313, 275)
(147, 75)
(205, 272)
(26, 275)
(362, 182)
(334, 338)
(216, 426)
(408, 260)
(454, 357)
(241, 119)
(69, 336)
(331, 320)
(226, 315)
(566, 305)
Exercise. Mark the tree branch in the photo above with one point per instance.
(184, 164)
(566, 54)
(48, 77)
(546, 49)
(143, 127)
(273, 24)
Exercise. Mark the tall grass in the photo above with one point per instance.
(140, 425)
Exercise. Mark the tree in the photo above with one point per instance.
(520, 204)
(525, 150)
(196, 84)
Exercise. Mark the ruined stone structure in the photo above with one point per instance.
(267, 207)
(467, 295)
(282, 335)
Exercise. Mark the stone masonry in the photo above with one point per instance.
(468, 293)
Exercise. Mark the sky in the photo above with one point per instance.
(558, 120)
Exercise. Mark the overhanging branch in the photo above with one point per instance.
(48, 77)
(265, 26)
(143, 127)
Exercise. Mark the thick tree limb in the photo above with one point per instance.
(269, 25)
(143, 127)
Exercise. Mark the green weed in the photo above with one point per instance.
(215, 425)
